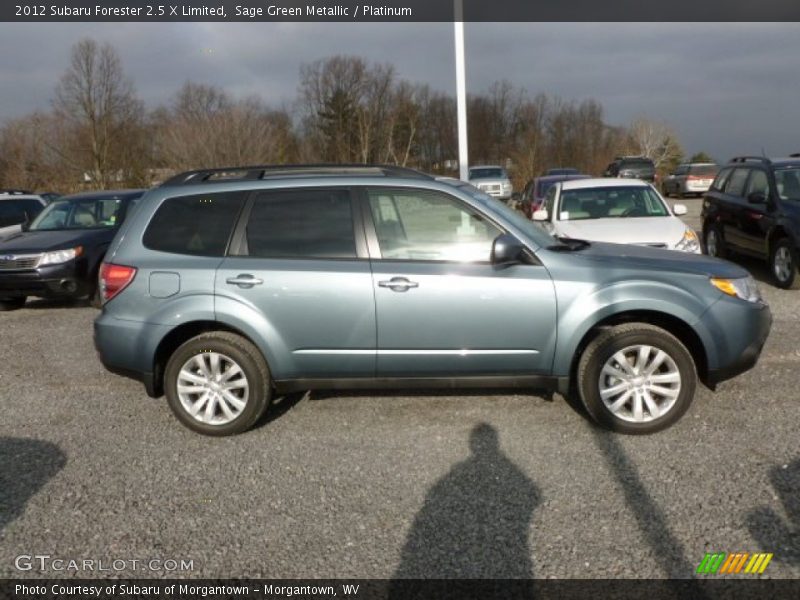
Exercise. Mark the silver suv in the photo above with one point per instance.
(225, 287)
(492, 180)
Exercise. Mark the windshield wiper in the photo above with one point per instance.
(569, 245)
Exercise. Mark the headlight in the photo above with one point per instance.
(744, 287)
(60, 256)
(689, 242)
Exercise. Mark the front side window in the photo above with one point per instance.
(14, 212)
(198, 225)
(758, 183)
(429, 226)
(788, 182)
(611, 202)
(79, 213)
(313, 223)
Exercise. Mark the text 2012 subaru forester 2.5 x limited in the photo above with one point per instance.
(226, 286)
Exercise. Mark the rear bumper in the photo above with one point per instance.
(128, 348)
(55, 281)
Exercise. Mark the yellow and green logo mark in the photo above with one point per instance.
(721, 563)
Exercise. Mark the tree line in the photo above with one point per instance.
(99, 134)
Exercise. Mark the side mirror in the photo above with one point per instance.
(540, 215)
(757, 198)
(679, 210)
(506, 250)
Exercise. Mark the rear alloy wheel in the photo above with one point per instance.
(714, 244)
(636, 378)
(783, 264)
(217, 384)
(12, 303)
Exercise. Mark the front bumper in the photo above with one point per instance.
(743, 334)
(53, 281)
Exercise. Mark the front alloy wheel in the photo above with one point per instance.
(636, 378)
(640, 383)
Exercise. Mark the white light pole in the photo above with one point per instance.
(461, 91)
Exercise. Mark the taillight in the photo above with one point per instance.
(114, 279)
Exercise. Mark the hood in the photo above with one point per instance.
(656, 259)
(489, 181)
(638, 230)
(31, 242)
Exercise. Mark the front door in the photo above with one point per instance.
(442, 308)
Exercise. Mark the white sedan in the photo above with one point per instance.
(618, 211)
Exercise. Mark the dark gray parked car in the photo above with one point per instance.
(226, 286)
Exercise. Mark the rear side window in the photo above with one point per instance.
(198, 225)
(307, 224)
(722, 178)
(735, 185)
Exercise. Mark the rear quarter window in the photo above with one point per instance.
(198, 225)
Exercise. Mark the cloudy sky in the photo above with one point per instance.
(725, 88)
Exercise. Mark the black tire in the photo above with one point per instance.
(621, 337)
(785, 278)
(254, 369)
(12, 303)
(718, 247)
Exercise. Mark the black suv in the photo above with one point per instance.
(632, 167)
(753, 208)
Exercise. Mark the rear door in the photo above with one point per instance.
(733, 208)
(299, 261)
(442, 308)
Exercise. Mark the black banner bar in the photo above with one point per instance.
(743, 587)
(399, 10)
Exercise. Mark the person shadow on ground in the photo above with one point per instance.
(475, 521)
(769, 528)
(25, 466)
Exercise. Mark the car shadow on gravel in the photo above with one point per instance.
(772, 531)
(25, 466)
(475, 521)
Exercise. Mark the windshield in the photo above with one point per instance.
(611, 203)
(87, 213)
(486, 173)
(788, 182)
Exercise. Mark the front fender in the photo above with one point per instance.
(581, 310)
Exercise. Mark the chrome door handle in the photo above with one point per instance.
(398, 284)
(244, 280)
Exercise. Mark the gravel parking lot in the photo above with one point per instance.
(404, 484)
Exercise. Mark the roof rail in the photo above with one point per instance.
(795, 155)
(742, 159)
(222, 174)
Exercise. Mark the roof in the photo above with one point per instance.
(784, 161)
(259, 172)
(604, 182)
(563, 177)
(19, 196)
(486, 167)
(102, 194)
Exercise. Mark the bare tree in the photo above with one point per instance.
(98, 103)
(654, 140)
(205, 127)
